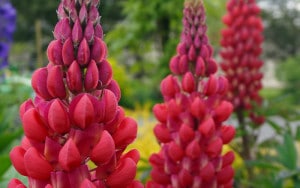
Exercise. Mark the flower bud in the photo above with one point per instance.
(68, 52)
(89, 32)
(104, 149)
(99, 50)
(69, 156)
(105, 73)
(92, 76)
(77, 33)
(62, 30)
(55, 83)
(74, 78)
(83, 54)
(54, 52)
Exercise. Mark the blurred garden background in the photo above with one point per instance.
(141, 37)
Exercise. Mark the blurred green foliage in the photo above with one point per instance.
(12, 94)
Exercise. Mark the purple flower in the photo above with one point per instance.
(7, 27)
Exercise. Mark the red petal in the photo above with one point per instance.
(207, 173)
(62, 30)
(54, 52)
(74, 78)
(110, 104)
(36, 166)
(86, 139)
(68, 55)
(125, 133)
(225, 175)
(89, 31)
(174, 64)
(133, 154)
(193, 150)
(91, 77)
(105, 73)
(162, 133)
(33, 125)
(198, 108)
(185, 178)
(25, 106)
(186, 133)
(123, 175)
(214, 148)
(175, 152)
(17, 158)
(58, 118)
(15, 183)
(188, 82)
(99, 50)
(160, 112)
(87, 184)
(211, 85)
(228, 133)
(115, 88)
(207, 127)
(69, 156)
(223, 111)
(55, 83)
(83, 53)
(227, 159)
(200, 67)
(60, 179)
(51, 150)
(77, 33)
(39, 83)
(82, 111)
(104, 150)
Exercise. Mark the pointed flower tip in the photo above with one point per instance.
(104, 149)
(123, 175)
(15, 183)
(69, 156)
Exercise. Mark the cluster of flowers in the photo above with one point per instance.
(7, 27)
(75, 132)
(241, 42)
(190, 130)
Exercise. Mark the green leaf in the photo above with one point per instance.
(287, 153)
(7, 138)
(298, 134)
(274, 125)
(5, 164)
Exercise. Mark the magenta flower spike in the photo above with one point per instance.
(190, 126)
(75, 132)
(241, 42)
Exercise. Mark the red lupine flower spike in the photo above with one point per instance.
(241, 42)
(190, 129)
(74, 118)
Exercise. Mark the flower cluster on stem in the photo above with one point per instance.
(241, 42)
(75, 132)
(7, 27)
(191, 129)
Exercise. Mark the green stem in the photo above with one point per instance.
(246, 145)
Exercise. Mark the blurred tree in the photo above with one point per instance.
(282, 27)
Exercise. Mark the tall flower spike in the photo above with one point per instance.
(7, 27)
(75, 120)
(190, 127)
(241, 42)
